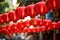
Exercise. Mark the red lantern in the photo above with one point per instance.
(1, 19)
(49, 27)
(35, 22)
(40, 22)
(43, 28)
(47, 22)
(13, 27)
(3, 27)
(20, 25)
(36, 7)
(12, 16)
(18, 30)
(41, 8)
(58, 24)
(4, 30)
(5, 17)
(9, 29)
(58, 1)
(29, 10)
(54, 25)
(52, 4)
(38, 29)
(28, 30)
(25, 30)
(20, 12)
(31, 29)
(27, 23)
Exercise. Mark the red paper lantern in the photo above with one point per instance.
(41, 8)
(27, 23)
(18, 30)
(52, 4)
(40, 22)
(47, 22)
(5, 17)
(12, 16)
(13, 27)
(20, 25)
(58, 1)
(29, 10)
(28, 30)
(43, 28)
(33, 30)
(36, 7)
(9, 29)
(25, 30)
(49, 27)
(38, 29)
(1, 19)
(35, 22)
(4, 30)
(54, 25)
(20, 12)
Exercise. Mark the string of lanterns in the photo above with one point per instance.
(30, 26)
(31, 10)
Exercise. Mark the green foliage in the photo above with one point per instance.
(27, 2)
(3, 6)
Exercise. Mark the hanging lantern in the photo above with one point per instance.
(40, 22)
(52, 4)
(20, 12)
(20, 25)
(12, 16)
(36, 8)
(4, 30)
(33, 30)
(9, 29)
(25, 30)
(13, 27)
(41, 8)
(58, 1)
(49, 27)
(1, 19)
(37, 29)
(27, 23)
(5, 17)
(47, 22)
(43, 28)
(54, 25)
(17, 29)
(35, 22)
(29, 10)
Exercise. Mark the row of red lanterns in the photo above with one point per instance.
(37, 26)
(31, 10)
